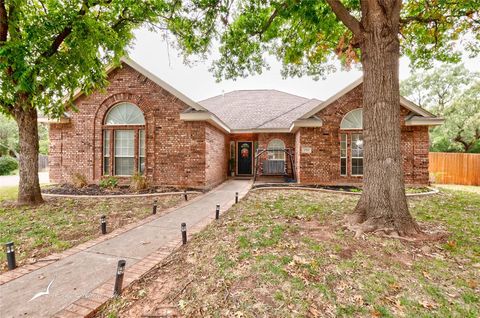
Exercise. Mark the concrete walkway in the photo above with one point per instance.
(80, 273)
(10, 181)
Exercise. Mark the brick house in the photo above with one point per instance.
(140, 124)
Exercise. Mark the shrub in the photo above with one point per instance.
(79, 180)
(109, 182)
(138, 182)
(7, 165)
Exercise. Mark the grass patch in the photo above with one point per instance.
(8, 193)
(283, 253)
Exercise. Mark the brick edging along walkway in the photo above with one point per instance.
(91, 303)
(52, 258)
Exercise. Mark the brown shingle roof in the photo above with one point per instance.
(258, 109)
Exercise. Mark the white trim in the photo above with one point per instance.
(260, 130)
(415, 108)
(46, 120)
(361, 119)
(333, 98)
(162, 83)
(150, 76)
(403, 102)
(205, 116)
(422, 121)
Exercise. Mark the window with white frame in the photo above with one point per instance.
(276, 149)
(343, 154)
(353, 120)
(357, 154)
(124, 140)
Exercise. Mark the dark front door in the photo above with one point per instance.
(244, 155)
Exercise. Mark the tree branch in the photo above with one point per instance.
(344, 15)
(3, 22)
(67, 30)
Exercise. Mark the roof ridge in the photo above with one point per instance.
(290, 110)
(254, 90)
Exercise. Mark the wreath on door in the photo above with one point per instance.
(245, 150)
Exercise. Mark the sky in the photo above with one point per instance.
(152, 52)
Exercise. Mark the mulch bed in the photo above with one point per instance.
(312, 186)
(94, 189)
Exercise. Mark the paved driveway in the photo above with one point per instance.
(10, 181)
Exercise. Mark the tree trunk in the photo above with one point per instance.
(383, 204)
(29, 186)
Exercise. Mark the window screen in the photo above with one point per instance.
(124, 152)
(357, 154)
(343, 154)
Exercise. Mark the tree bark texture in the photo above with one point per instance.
(29, 187)
(383, 204)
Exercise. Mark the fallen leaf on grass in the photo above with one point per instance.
(428, 305)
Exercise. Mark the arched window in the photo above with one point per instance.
(275, 149)
(353, 120)
(352, 141)
(124, 140)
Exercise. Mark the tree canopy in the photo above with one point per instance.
(51, 48)
(451, 92)
(306, 36)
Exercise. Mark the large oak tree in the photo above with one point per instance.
(49, 49)
(306, 35)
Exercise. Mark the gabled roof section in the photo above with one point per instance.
(403, 101)
(258, 110)
(169, 88)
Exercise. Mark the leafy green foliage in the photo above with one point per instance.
(52, 48)
(451, 92)
(306, 35)
(108, 182)
(7, 165)
(9, 137)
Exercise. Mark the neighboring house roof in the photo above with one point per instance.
(247, 110)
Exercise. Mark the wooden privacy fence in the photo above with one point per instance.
(42, 162)
(455, 168)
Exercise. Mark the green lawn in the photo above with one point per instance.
(8, 193)
(61, 223)
(284, 253)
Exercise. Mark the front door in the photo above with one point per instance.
(244, 155)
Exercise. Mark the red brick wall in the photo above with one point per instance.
(322, 166)
(175, 150)
(217, 152)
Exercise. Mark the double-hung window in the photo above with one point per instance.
(357, 154)
(124, 141)
(351, 143)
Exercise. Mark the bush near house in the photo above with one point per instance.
(7, 165)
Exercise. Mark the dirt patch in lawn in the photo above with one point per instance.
(284, 253)
(61, 223)
(94, 189)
